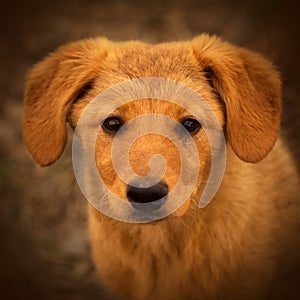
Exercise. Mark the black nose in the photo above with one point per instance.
(146, 195)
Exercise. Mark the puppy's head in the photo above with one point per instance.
(242, 88)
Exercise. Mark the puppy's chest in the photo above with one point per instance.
(157, 253)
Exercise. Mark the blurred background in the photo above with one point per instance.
(44, 252)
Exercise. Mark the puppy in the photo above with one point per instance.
(243, 244)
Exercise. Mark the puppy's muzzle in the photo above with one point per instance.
(138, 195)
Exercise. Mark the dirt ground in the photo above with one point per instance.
(44, 252)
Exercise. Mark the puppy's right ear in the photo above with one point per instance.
(51, 88)
(250, 87)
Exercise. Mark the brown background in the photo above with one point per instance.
(44, 251)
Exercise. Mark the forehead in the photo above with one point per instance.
(132, 61)
(175, 61)
(172, 60)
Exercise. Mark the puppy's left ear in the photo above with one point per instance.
(52, 86)
(251, 89)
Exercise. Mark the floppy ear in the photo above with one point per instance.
(51, 88)
(251, 90)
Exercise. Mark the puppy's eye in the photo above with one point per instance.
(191, 125)
(112, 124)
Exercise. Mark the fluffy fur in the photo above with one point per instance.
(244, 244)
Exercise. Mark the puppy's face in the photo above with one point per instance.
(144, 148)
(241, 88)
(130, 117)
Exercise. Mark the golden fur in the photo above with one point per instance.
(240, 246)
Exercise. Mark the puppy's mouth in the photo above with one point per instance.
(144, 201)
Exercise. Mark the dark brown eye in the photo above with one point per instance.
(112, 124)
(191, 125)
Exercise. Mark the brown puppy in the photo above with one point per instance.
(244, 242)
